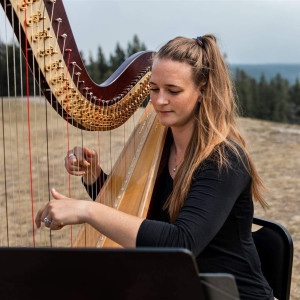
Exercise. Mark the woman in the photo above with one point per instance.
(205, 189)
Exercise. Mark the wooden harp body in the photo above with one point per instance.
(61, 80)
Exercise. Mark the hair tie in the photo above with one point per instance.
(199, 40)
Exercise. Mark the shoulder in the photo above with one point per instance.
(220, 185)
(226, 158)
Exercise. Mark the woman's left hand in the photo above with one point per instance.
(61, 211)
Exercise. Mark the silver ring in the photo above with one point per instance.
(47, 221)
(71, 154)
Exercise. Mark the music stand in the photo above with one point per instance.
(143, 274)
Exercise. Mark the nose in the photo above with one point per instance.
(161, 98)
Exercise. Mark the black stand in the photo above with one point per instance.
(141, 274)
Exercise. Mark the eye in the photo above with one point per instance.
(174, 92)
(154, 89)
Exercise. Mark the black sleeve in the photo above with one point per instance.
(208, 204)
(94, 189)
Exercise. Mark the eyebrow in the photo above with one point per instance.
(168, 85)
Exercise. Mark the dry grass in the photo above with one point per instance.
(47, 169)
(274, 147)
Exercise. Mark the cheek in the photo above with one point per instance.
(187, 101)
(152, 95)
(194, 99)
(153, 98)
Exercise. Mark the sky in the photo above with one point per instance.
(249, 32)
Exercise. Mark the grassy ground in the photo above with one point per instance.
(274, 147)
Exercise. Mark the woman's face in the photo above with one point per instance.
(173, 92)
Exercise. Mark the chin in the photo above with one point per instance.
(165, 122)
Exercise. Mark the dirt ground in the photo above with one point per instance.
(274, 147)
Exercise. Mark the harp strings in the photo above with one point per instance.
(11, 111)
(49, 147)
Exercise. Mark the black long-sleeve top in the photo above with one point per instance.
(214, 223)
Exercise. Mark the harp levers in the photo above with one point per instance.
(65, 82)
(61, 81)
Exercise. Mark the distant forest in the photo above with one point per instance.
(276, 99)
(288, 71)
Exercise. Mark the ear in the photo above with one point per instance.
(201, 88)
(200, 94)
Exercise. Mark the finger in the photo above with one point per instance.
(55, 225)
(38, 217)
(57, 195)
(75, 157)
(89, 152)
(79, 153)
(78, 173)
(91, 155)
(71, 155)
(44, 212)
(47, 221)
(76, 168)
(73, 161)
(70, 162)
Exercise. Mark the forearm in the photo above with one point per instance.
(116, 225)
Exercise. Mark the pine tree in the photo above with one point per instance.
(82, 57)
(264, 105)
(117, 58)
(13, 67)
(243, 88)
(135, 46)
(102, 66)
(280, 88)
(294, 103)
(92, 69)
(255, 98)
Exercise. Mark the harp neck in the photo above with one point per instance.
(64, 80)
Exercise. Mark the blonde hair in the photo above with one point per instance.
(215, 117)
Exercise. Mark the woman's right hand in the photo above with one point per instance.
(83, 162)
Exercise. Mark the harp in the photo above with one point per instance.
(64, 96)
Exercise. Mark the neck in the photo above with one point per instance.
(182, 137)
